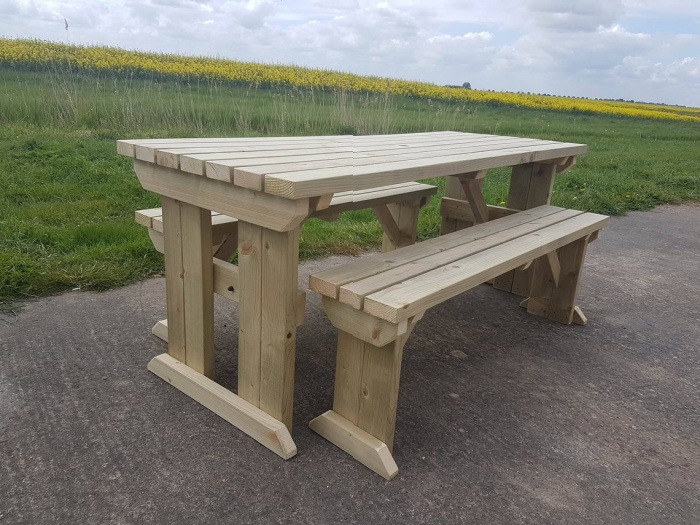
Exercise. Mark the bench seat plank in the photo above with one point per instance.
(401, 301)
(353, 293)
(328, 282)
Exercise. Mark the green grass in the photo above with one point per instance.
(67, 200)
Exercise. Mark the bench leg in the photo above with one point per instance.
(530, 186)
(558, 302)
(363, 418)
(453, 190)
(405, 218)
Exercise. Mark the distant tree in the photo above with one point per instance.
(467, 85)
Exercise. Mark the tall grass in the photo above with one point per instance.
(62, 98)
(67, 200)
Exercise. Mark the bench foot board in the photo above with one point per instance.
(364, 447)
(578, 317)
(160, 330)
(262, 427)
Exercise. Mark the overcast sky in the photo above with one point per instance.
(633, 49)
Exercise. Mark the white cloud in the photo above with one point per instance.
(598, 48)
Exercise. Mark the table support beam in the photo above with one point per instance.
(268, 279)
(530, 186)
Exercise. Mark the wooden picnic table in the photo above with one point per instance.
(272, 185)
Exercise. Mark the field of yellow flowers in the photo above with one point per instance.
(35, 54)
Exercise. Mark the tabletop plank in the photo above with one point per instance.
(252, 175)
(300, 167)
(299, 184)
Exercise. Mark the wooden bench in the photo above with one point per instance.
(395, 206)
(376, 301)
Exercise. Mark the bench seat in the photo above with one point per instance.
(396, 207)
(376, 301)
(410, 194)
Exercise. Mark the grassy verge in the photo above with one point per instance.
(67, 200)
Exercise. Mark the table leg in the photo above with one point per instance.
(530, 186)
(267, 296)
(268, 269)
(189, 284)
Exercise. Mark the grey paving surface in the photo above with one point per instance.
(503, 418)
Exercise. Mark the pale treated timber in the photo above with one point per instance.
(454, 192)
(297, 185)
(249, 311)
(473, 190)
(354, 292)
(406, 193)
(530, 186)
(228, 247)
(525, 266)
(389, 225)
(157, 239)
(328, 282)
(363, 326)
(563, 301)
(174, 283)
(406, 218)
(198, 290)
(320, 203)
(578, 317)
(280, 263)
(160, 330)
(270, 211)
(193, 160)
(265, 429)
(153, 218)
(420, 293)
(127, 147)
(363, 418)
(461, 210)
(553, 267)
(570, 162)
(253, 175)
(365, 448)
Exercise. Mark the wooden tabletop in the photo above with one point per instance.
(299, 167)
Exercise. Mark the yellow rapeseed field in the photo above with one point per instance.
(40, 54)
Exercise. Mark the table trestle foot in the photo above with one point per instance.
(262, 427)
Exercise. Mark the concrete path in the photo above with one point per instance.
(503, 417)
